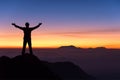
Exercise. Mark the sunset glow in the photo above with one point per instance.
(40, 40)
(82, 23)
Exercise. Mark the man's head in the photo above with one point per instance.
(27, 25)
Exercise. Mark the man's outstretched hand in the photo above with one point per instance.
(13, 24)
(40, 23)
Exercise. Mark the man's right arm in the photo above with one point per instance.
(17, 26)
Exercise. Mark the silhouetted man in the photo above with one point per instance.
(27, 36)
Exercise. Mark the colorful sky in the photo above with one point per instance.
(83, 23)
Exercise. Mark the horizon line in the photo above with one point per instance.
(58, 47)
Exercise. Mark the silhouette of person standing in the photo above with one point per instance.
(27, 36)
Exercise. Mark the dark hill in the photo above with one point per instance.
(30, 67)
(71, 47)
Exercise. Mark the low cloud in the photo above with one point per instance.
(89, 31)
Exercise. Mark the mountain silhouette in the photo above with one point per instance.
(30, 67)
(71, 47)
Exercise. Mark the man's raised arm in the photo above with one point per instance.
(36, 26)
(17, 26)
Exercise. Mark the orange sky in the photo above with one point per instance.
(77, 22)
(54, 40)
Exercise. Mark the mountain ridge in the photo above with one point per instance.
(30, 67)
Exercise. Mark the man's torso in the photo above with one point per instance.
(27, 33)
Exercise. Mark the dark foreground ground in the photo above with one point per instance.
(29, 67)
(102, 63)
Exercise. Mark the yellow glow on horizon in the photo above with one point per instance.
(46, 40)
(57, 40)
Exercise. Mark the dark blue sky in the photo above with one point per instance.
(74, 12)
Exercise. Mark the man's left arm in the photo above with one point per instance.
(36, 26)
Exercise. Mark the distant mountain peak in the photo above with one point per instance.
(100, 48)
(68, 47)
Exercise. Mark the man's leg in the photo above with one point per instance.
(30, 46)
(24, 46)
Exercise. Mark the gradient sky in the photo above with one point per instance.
(83, 23)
